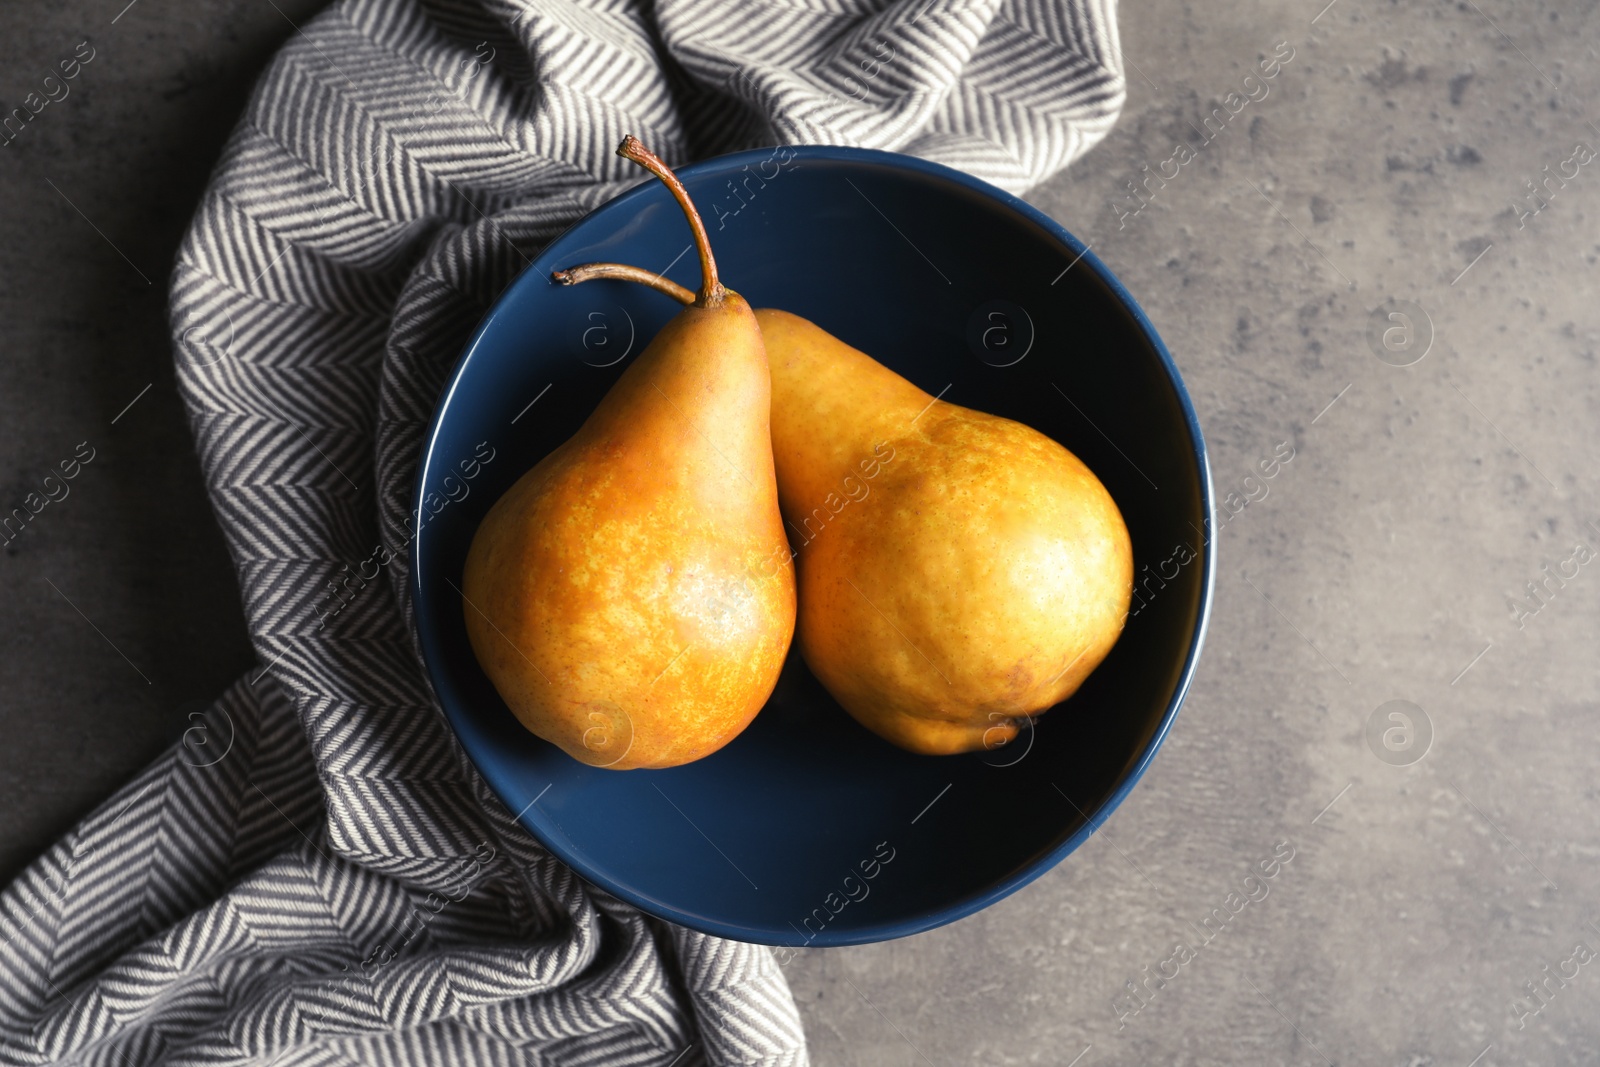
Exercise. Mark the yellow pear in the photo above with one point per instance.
(630, 596)
(958, 572)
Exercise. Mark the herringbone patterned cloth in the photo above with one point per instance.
(317, 875)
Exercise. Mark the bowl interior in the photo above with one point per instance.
(808, 829)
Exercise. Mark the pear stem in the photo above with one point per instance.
(711, 290)
(623, 272)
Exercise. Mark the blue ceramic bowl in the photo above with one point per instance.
(807, 829)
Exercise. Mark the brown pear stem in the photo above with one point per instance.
(623, 272)
(711, 290)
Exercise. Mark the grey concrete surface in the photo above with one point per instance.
(121, 615)
(1385, 161)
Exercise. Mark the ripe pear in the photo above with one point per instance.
(959, 572)
(630, 596)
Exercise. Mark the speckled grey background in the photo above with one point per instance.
(1384, 162)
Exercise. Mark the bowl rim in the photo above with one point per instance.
(428, 638)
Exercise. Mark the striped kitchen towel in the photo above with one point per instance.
(316, 874)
